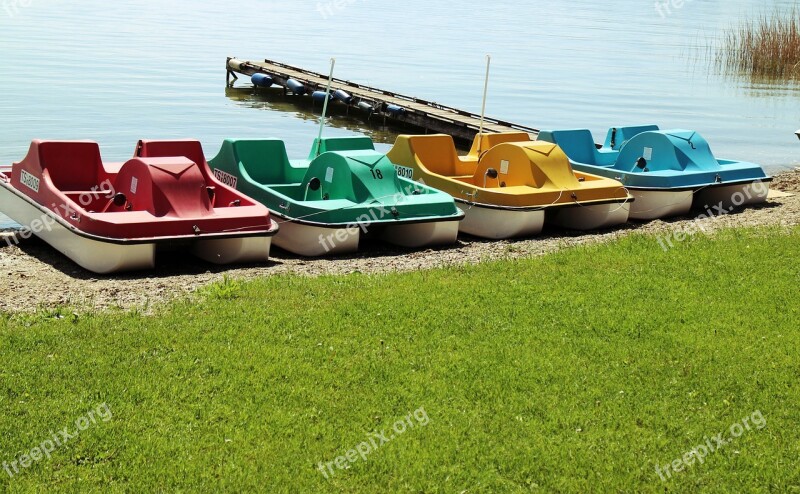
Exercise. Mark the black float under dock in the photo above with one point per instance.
(426, 115)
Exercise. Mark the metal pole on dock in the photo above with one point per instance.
(483, 108)
(325, 107)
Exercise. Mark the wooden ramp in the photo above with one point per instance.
(426, 115)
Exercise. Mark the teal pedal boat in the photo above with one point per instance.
(667, 171)
(344, 190)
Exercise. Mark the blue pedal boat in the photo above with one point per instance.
(665, 170)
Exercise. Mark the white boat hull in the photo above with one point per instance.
(104, 257)
(93, 255)
(417, 235)
(589, 217)
(314, 241)
(233, 250)
(654, 204)
(500, 224)
(732, 196)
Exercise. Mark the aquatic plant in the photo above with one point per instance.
(767, 47)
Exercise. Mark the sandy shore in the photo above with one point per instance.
(36, 276)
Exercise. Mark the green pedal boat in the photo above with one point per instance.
(345, 189)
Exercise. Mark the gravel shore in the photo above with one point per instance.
(36, 276)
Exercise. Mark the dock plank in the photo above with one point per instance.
(427, 115)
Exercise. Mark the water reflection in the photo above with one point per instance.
(303, 108)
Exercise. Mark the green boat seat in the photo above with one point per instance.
(350, 143)
(266, 161)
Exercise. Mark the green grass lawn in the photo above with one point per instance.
(575, 372)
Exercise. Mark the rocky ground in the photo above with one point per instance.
(33, 275)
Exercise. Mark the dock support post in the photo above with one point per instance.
(228, 78)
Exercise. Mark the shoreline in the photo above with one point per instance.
(35, 276)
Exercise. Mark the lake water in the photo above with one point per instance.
(115, 72)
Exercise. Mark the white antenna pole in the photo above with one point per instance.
(325, 107)
(483, 108)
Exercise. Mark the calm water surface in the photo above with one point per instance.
(115, 72)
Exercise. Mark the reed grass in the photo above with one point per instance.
(767, 47)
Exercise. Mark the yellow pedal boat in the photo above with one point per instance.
(508, 185)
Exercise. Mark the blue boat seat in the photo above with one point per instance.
(578, 144)
(621, 135)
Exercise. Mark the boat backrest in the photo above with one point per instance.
(621, 135)
(437, 152)
(350, 143)
(578, 144)
(485, 142)
(71, 165)
(188, 148)
(266, 161)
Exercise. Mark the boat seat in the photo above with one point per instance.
(437, 153)
(71, 165)
(350, 143)
(188, 148)
(266, 161)
(622, 135)
(488, 141)
(578, 144)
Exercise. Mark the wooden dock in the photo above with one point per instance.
(426, 115)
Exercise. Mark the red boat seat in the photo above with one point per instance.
(172, 186)
(189, 148)
(72, 166)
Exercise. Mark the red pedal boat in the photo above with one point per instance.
(114, 217)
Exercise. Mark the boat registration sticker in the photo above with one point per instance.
(226, 178)
(134, 184)
(504, 167)
(404, 172)
(648, 154)
(329, 176)
(29, 180)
